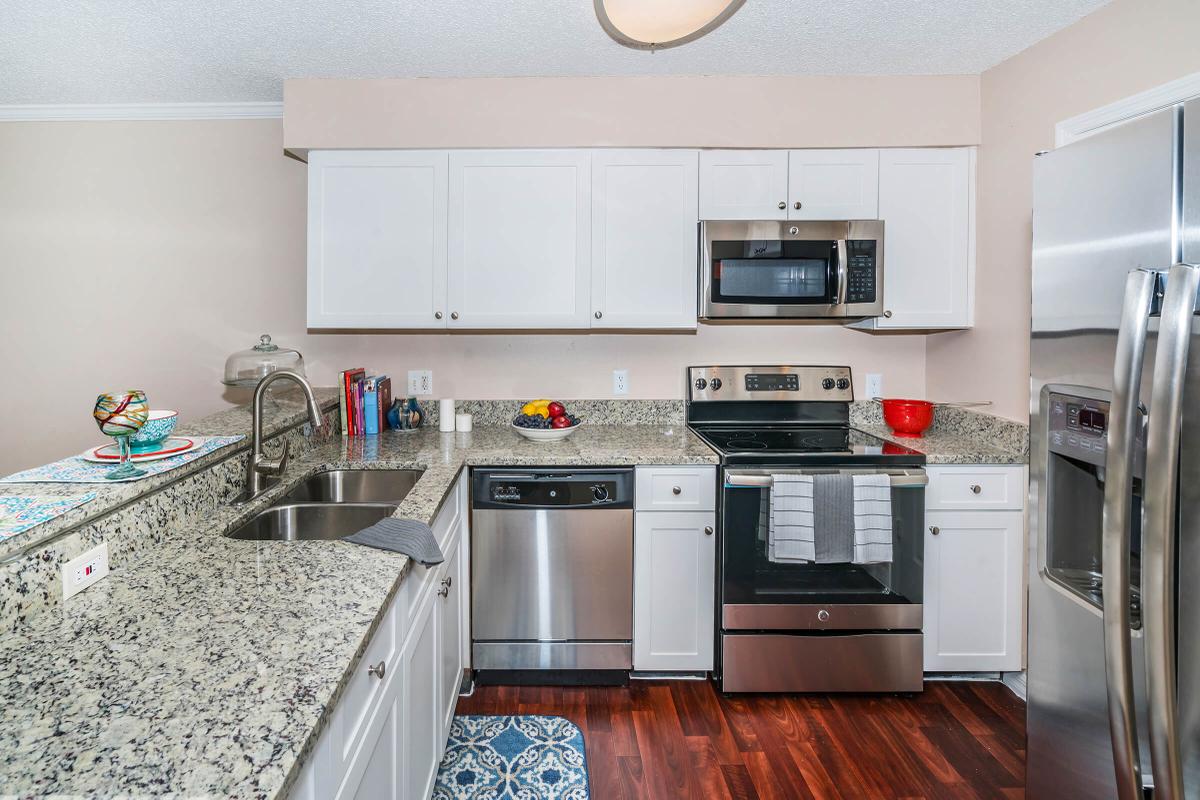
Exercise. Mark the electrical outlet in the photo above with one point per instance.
(420, 382)
(620, 381)
(874, 385)
(84, 570)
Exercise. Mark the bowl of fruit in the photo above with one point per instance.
(545, 421)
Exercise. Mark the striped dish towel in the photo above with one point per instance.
(872, 519)
(791, 535)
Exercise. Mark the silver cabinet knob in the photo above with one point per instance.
(453, 315)
(976, 488)
(823, 615)
(797, 205)
(437, 315)
(887, 314)
(782, 205)
(378, 670)
(445, 590)
(935, 530)
(708, 530)
(599, 314)
(676, 490)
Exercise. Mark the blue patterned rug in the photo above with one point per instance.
(513, 758)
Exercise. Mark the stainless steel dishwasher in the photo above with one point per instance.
(552, 575)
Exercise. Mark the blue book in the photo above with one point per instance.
(371, 406)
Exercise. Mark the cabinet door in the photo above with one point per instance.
(974, 590)
(448, 609)
(674, 578)
(644, 235)
(833, 184)
(927, 206)
(743, 184)
(421, 736)
(377, 239)
(381, 779)
(519, 239)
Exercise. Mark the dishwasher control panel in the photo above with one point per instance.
(553, 489)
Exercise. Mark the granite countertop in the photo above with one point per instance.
(950, 447)
(285, 408)
(209, 666)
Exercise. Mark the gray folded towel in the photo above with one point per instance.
(408, 536)
(833, 518)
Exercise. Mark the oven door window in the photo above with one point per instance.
(774, 272)
(751, 577)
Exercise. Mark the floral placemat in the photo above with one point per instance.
(77, 470)
(19, 513)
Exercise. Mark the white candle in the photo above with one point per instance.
(446, 416)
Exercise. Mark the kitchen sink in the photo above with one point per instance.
(356, 486)
(290, 522)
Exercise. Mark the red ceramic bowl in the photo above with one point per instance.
(907, 417)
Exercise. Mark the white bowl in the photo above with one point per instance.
(546, 434)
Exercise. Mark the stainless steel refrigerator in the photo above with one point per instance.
(1114, 596)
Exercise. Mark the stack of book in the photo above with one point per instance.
(364, 402)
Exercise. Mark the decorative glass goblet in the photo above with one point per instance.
(121, 415)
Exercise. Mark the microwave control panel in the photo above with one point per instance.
(860, 271)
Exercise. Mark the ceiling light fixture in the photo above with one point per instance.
(659, 24)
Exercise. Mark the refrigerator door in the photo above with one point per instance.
(1103, 207)
(1187, 573)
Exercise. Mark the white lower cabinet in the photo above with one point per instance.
(675, 559)
(386, 736)
(974, 604)
(674, 568)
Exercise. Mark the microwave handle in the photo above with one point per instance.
(843, 283)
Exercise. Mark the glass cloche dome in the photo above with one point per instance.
(248, 367)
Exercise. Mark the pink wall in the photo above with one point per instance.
(143, 253)
(1124, 48)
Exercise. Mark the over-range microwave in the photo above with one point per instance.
(790, 270)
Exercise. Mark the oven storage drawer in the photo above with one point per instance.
(828, 616)
(866, 662)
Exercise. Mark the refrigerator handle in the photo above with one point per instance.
(1141, 288)
(1158, 532)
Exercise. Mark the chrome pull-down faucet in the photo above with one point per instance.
(259, 466)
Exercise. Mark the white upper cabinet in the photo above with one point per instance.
(743, 184)
(644, 235)
(833, 184)
(519, 234)
(376, 239)
(926, 202)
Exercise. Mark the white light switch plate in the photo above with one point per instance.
(874, 385)
(84, 570)
(420, 382)
(620, 381)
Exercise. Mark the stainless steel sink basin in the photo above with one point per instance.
(292, 522)
(356, 486)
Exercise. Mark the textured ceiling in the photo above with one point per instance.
(128, 51)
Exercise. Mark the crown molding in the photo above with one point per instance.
(1156, 99)
(138, 111)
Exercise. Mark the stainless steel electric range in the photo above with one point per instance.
(789, 626)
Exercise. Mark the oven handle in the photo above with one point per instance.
(908, 479)
(843, 281)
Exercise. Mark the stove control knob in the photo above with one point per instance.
(700, 384)
(843, 383)
(599, 493)
(827, 384)
(714, 384)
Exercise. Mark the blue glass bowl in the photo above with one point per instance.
(158, 427)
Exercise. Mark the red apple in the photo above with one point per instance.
(560, 422)
(556, 409)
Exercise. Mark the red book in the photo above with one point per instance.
(385, 401)
(353, 377)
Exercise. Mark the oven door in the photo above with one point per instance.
(791, 270)
(761, 594)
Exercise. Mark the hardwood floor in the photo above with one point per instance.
(668, 740)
